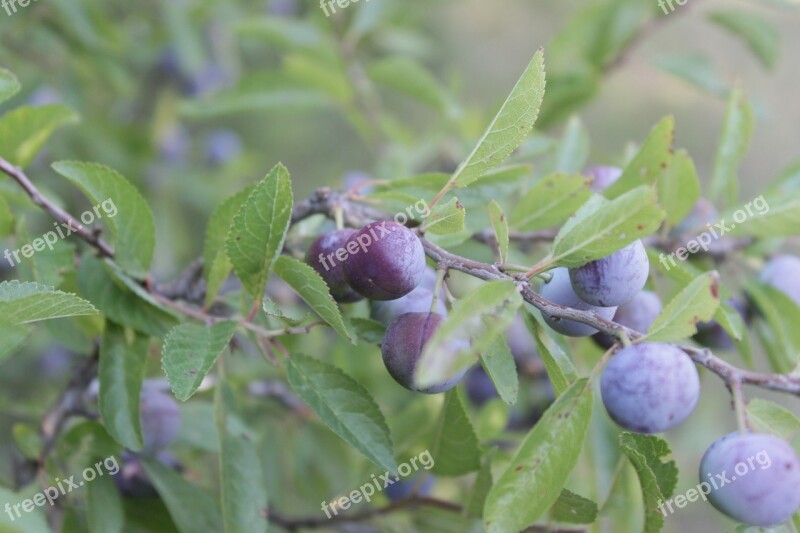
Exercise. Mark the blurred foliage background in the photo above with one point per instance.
(192, 100)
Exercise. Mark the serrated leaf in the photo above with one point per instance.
(498, 362)
(24, 130)
(510, 126)
(256, 237)
(574, 509)
(560, 369)
(782, 315)
(697, 302)
(344, 406)
(455, 447)
(408, 77)
(368, 330)
(652, 159)
(470, 329)
(132, 225)
(737, 130)
(550, 201)
(542, 464)
(602, 227)
(657, 479)
(189, 352)
(104, 512)
(9, 85)
(192, 509)
(446, 218)
(26, 302)
(500, 226)
(216, 264)
(121, 372)
(770, 417)
(678, 188)
(758, 32)
(313, 290)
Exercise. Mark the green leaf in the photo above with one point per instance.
(216, 264)
(776, 214)
(455, 446)
(368, 330)
(408, 77)
(473, 322)
(480, 488)
(697, 302)
(772, 418)
(190, 350)
(657, 478)
(446, 218)
(500, 226)
(11, 339)
(121, 372)
(550, 202)
(572, 508)
(498, 362)
(313, 290)
(258, 231)
(678, 188)
(24, 130)
(694, 68)
(9, 85)
(35, 522)
(104, 506)
(344, 406)
(560, 369)
(281, 32)
(192, 509)
(25, 302)
(782, 314)
(132, 224)
(509, 128)
(6, 219)
(758, 32)
(652, 159)
(573, 150)
(737, 130)
(541, 466)
(602, 227)
(27, 440)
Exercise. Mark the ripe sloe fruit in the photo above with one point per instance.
(650, 387)
(638, 314)
(386, 261)
(783, 273)
(614, 279)
(417, 301)
(763, 474)
(559, 290)
(404, 343)
(479, 386)
(322, 257)
(160, 419)
(604, 177)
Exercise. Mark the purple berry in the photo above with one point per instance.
(521, 342)
(604, 177)
(160, 419)
(559, 290)
(417, 301)
(612, 280)
(404, 343)
(400, 490)
(650, 387)
(638, 315)
(756, 476)
(322, 256)
(479, 386)
(386, 261)
(783, 273)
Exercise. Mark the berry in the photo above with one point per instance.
(386, 261)
(417, 301)
(612, 280)
(559, 290)
(400, 490)
(160, 419)
(638, 314)
(604, 177)
(697, 221)
(322, 256)
(650, 387)
(479, 386)
(783, 273)
(404, 343)
(521, 343)
(222, 147)
(761, 476)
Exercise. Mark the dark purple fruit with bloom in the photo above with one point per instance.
(400, 490)
(417, 301)
(160, 419)
(385, 261)
(403, 344)
(700, 221)
(760, 478)
(559, 290)
(322, 256)
(614, 279)
(479, 386)
(521, 343)
(783, 273)
(650, 387)
(713, 335)
(638, 314)
(604, 177)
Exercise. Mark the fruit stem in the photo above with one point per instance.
(739, 405)
(542, 266)
(441, 272)
(510, 267)
(338, 215)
